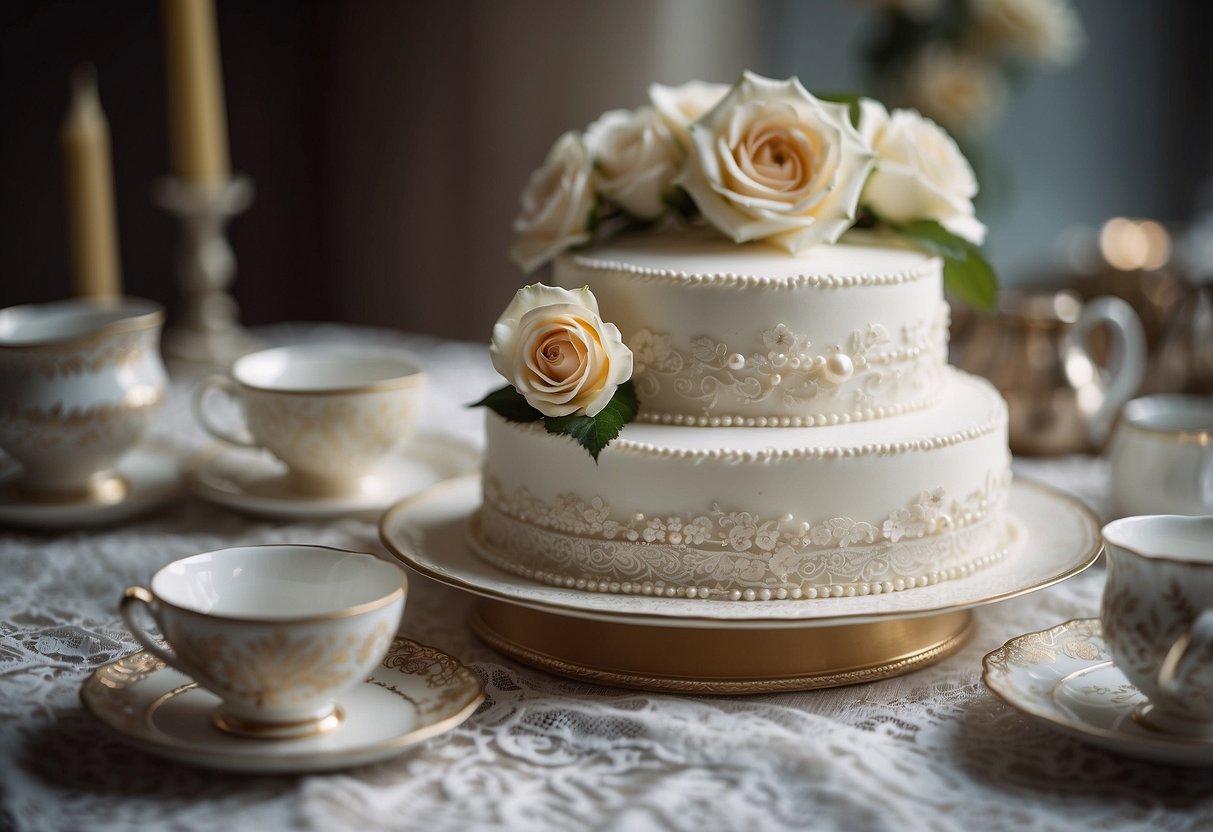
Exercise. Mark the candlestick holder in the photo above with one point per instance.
(206, 328)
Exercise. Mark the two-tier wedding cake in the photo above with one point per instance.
(744, 395)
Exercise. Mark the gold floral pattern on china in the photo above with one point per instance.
(442, 673)
(280, 668)
(739, 554)
(1138, 632)
(98, 425)
(1080, 639)
(322, 433)
(90, 354)
(871, 367)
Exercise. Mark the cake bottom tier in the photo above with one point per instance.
(754, 513)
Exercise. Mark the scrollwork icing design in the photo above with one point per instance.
(784, 366)
(722, 552)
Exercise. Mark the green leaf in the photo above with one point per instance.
(934, 238)
(972, 279)
(851, 99)
(966, 272)
(509, 404)
(596, 432)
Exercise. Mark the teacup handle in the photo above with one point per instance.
(1127, 362)
(1176, 666)
(229, 387)
(133, 596)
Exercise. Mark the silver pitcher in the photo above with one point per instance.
(1034, 350)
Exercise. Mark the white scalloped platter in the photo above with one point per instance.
(1052, 537)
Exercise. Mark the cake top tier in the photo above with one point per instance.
(702, 256)
(712, 269)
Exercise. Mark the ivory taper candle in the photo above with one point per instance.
(89, 177)
(196, 118)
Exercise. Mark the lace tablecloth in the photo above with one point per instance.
(933, 749)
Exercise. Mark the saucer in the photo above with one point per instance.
(416, 693)
(1065, 677)
(254, 482)
(1052, 536)
(150, 473)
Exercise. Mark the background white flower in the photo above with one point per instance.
(635, 160)
(772, 162)
(556, 205)
(1044, 31)
(551, 344)
(920, 173)
(958, 90)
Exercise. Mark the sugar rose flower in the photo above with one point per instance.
(920, 173)
(772, 162)
(682, 105)
(556, 205)
(635, 160)
(558, 353)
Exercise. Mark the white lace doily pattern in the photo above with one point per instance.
(931, 750)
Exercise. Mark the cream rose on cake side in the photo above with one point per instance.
(557, 204)
(772, 162)
(564, 365)
(920, 173)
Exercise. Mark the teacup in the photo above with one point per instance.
(330, 415)
(1162, 456)
(1157, 616)
(80, 384)
(277, 632)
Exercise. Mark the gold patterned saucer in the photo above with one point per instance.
(707, 646)
(145, 479)
(251, 481)
(1065, 677)
(416, 693)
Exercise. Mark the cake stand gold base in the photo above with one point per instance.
(718, 660)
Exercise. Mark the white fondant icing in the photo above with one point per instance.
(749, 332)
(868, 476)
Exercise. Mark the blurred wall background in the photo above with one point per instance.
(388, 141)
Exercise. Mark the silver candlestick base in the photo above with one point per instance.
(206, 328)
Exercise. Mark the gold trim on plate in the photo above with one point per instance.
(718, 661)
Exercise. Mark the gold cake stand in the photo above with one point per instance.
(718, 660)
(728, 648)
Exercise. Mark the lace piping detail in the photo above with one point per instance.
(738, 555)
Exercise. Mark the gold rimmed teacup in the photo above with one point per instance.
(277, 632)
(80, 383)
(1157, 617)
(329, 414)
(1162, 456)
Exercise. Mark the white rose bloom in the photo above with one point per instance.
(958, 90)
(682, 105)
(635, 160)
(1046, 31)
(920, 173)
(772, 162)
(553, 347)
(556, 205)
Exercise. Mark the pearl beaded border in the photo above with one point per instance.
(930, 267)
(996, 421)
(801, 421)
(660, 589)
